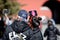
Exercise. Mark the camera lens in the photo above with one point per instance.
(39, 18)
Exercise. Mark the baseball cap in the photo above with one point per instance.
(23, 14)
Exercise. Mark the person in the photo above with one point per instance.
(2, 28)
(34, 32)
(23, 16)
(17, 28)
(8, 20)
(51, 32)
(53, 22)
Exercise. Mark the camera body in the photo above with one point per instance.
(6, 11)
(36, 21)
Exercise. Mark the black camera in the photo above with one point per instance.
(36, 21)
(6, 11)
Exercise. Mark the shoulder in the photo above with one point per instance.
(47, 28)
(55, 28)
(8, 29)
(27, 32)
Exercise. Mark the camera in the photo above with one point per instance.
(6, 11)
(36, 21)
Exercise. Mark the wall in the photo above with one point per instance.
(35, 5)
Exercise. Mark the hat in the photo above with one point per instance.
(33, 13)
(23, 14)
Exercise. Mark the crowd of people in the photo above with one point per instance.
(25, 26)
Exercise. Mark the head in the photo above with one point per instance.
(33, 19)
(32, 13)
(23, 15)
(50, 24)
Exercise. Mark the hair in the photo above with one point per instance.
(30, 12)
(49, 21)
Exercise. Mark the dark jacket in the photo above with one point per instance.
(20, 26)
(51, 33)
(17, 27)
(34, 34)
(11, 34)
(7, 31)
(2, 28)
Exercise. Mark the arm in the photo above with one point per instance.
(6, 19)
(41, 35)
(45, 33)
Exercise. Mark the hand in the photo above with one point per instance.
(5, 14)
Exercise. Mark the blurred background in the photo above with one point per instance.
(48, 8)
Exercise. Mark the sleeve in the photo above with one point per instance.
(45, 33)
(41, 35)
(27, 33)
(57, 32)
(6, 33)
(4, 37)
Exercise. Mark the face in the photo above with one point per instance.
(50, 23)
(51, 26)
